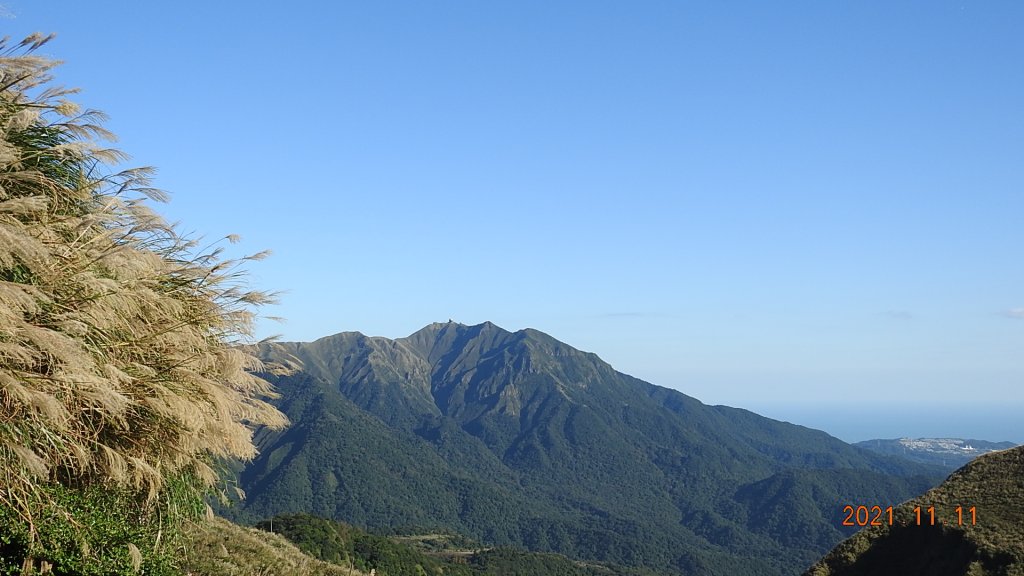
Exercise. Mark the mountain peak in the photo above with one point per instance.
(521, 439)
(433, 338)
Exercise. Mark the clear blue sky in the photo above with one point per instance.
(772, 205)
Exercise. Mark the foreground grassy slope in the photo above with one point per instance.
(217, 547)
(992, 484)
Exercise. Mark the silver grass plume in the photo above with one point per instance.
(122, 357)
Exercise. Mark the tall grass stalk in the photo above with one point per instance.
(121, 342)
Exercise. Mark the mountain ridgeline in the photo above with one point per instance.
(519, 439)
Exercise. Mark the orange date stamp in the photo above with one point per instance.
(863, 516)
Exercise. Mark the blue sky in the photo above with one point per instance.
(793, 207)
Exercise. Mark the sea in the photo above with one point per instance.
(995, 423)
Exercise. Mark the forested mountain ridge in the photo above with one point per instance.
(517, 438)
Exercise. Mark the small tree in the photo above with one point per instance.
(122, 374)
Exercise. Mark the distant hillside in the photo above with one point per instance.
(519, 439)
(978, 530)
(950, 453)
(451, 555)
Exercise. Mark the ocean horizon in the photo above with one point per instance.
(1001, 423)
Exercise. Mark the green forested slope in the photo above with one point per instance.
(518, 439)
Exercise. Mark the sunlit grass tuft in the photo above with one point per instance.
(121, 362)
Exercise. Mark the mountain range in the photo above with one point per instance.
(515, 438)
